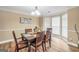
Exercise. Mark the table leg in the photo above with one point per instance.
(29, 48)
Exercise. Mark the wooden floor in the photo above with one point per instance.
(58, 45)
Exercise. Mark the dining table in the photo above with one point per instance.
(30, 37)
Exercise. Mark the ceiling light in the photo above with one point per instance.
(32, 13)
(35, 12)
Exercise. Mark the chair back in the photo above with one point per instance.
(49, 29)
(40, 37)
(28, 30)
(15, 39)
(48, 35)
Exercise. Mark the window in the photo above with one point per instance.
(64, 25)
(56, 25)
(60, 25)
(46, 23)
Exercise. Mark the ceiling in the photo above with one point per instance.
(44, 10)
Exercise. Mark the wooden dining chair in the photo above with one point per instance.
(49, 29)
(50, 32)
(28, 30)
(19, 43)
(47, 39)
(39, 41)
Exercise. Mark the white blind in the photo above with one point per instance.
(56, 25)
(46, 23)
(65, 25)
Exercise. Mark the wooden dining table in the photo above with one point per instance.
(30, 37)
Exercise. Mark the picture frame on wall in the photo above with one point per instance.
(24, 20)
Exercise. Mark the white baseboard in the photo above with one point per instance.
(2, 42)
(73, 44)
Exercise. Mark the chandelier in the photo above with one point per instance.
(35, 12)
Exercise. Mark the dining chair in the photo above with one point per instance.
(39, 41)
(50, 32)
(49, 29)
(28, 30)
(47, 39)
(19, 43)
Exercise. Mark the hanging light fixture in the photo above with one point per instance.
(35, 12)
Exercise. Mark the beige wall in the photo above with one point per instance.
(73, 18)
(41, 22)
(11, 21)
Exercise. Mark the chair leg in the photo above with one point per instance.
(16, 50)
(50, 42)
(35, 49)
(43, 47)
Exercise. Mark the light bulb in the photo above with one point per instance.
(37, 12)
(32, 13)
